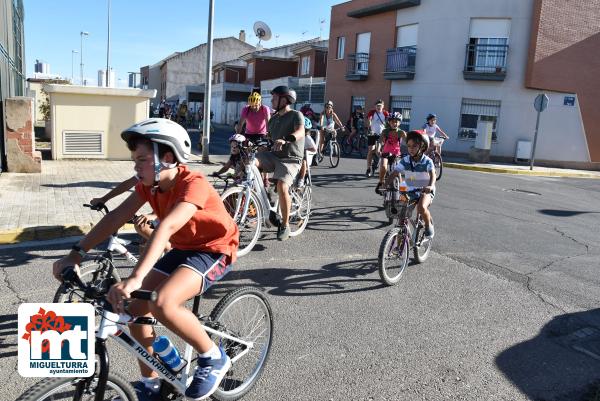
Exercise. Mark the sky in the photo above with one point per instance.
(145, 31)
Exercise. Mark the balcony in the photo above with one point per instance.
(485, 62)
(358, 67)
(400, 63)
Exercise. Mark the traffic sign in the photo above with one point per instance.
(541, 102)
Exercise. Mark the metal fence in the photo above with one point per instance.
(489, 59)
(358, 64)
(401, 59)
(314, 93)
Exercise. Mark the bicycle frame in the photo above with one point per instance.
(111, 326)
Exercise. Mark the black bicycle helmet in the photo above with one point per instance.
(283, 90)
(418, 136)
(430, 116)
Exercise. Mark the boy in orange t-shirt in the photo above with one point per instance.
(204, 239)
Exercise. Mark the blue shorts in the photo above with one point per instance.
(210, 266)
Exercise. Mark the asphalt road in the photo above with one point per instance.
(505, 308)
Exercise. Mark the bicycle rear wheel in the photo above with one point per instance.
(63, 388)
(250, 227)
(393, 256)
(422, 244)
(244, 313)
(346, 146)
(93, 272)
(334, 153)
(300, 209)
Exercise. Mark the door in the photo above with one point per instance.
(363, 43)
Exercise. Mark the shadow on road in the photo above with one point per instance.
(339, 218)
(84, 184)
(563, 213)
(332, 279)
(8, 327)
(557, 364)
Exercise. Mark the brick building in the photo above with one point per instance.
(470, 61)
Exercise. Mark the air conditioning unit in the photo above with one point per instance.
(523, 153)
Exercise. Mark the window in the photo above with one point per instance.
(341, 45)
(358, 101)
(402, 104)
(305, 67)
(488, 44)
(474, 110)
(250, 70)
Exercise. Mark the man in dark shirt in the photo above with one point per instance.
(286, 128)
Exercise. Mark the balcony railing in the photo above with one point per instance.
(400, 63)
(358, 67)
(485, 62)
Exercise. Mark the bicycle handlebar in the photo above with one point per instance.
(70, 276)
(101, 207)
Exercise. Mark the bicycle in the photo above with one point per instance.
(101, 270)
(437, 157)
(407, 233)
(241, 322)
(359, 143)
(331, 147)
(250, 206)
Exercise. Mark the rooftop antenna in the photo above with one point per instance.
(321, 22)
(262, 31)
(276, 40)
(303, 33)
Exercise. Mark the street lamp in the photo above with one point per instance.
(73, 52)
(82, 34)
(108, 49)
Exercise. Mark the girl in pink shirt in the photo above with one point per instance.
(391, 139)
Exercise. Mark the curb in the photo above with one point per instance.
(496, 170)
(44, 233)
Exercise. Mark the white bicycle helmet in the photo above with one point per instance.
(238, 138)
(164, 131)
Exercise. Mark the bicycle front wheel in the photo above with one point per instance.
(244, 314)
(439, 166)
(234, 200)
(94, 273)
(393, 256)
(334, 153)
(64, 388)
(363, 146)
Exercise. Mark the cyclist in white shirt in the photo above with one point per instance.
(376, 120)
(431, 128)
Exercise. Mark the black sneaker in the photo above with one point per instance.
(429, 232)
(378, 190)
(283, 233)
(368, 173)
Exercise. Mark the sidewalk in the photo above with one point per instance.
(49, 205)
(502, 168)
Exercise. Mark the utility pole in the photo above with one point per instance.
(207, 87)
(108, 50)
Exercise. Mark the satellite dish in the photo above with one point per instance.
(262, 31)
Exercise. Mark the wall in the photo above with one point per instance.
(12, 62)
(270, 69)
(564, 55)
(105, 110)
(438, 86)
(382, 28)
(20, 138)
(189, 67)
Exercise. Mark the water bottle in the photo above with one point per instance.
(168, 353)
(403, 186)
